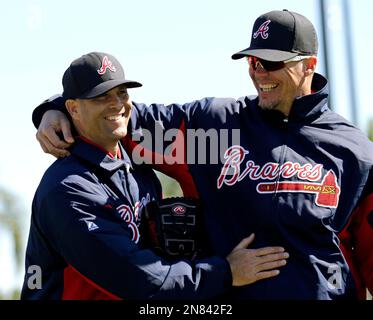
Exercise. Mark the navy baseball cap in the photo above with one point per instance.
(92, 75)
(281, 35)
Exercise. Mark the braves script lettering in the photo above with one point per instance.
(131, 217)
(327, 191)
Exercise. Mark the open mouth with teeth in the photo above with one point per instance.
(114, 117)
(267, 87)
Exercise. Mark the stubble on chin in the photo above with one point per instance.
(267, 105)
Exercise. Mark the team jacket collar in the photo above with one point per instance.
(310, 107)
(97, 157)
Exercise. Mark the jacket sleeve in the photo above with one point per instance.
(56, 102)
(356, 244)
(168, 116)
(107, 255)
(171, 115)
(158, 136)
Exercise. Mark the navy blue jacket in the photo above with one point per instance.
(84, 236)
(293, 182)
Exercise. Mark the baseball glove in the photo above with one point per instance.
(172, 227)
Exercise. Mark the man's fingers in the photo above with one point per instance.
(48, 147)
(267, 274)
(245, 242)
(251, 265)
(45, 149)
(271, 265)
(268, 250)
(51, 134)
(60, 153)
(273, 257)
(53, 123)
(66, 131)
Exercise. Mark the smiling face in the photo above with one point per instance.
(278, 89)
(103, 119)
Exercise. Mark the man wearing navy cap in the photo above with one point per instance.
(294, 178)
(84, 240)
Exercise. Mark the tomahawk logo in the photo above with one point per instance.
(327, 191)
(263, 30)
(106, 64)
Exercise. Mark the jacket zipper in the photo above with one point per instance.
(126, 185)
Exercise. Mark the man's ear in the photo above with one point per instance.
(72, 107)
(311, 65)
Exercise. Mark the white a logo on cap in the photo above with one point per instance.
(106, 64)
(262, 31)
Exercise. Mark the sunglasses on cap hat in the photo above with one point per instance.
(255, 62)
